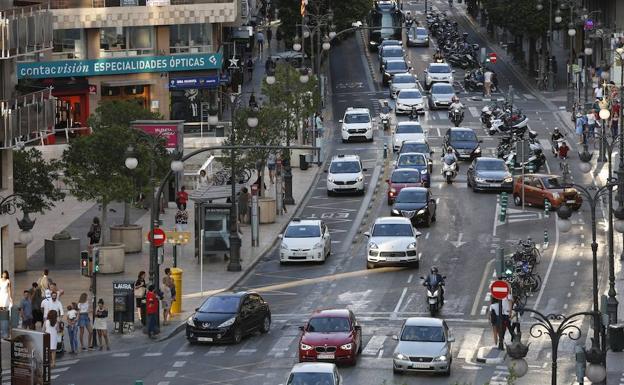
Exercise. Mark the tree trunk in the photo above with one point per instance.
(126, 214)
(105, 233)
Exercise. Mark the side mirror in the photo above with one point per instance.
(358, 327)
(453, 71)
(395, 337)
(422, 277)
(418, 233)
(280, 236)
(364, 169)
(480, 141)
(432, 200)
(432, 152)
(444, 277)
(340, 121)
(325, 171)
(450, 339)
(196, 309)
(367, 234)
(302, 328)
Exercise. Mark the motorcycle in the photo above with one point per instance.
(385, 120)
(554, 146)
(456, 116)
(413, 115)
(434, 295)
(504, 123)
(438, 60)
(473, 81)
(449, 169)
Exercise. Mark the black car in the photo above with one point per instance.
(463, 141)
(421, 146)
(393, 67)
(228, 317)
(416, 204)
(390, 52)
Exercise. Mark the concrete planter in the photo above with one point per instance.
(62, 252)
(267, 210)
(112, 258)
(20, 257)
(131, 236)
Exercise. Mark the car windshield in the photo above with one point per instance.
(392, 51)
(328, 325)
(553, 182)
(421, 32)
(409, 129)
(405, 177)
(439, 69)
(302, 231)
(491, 165)
(412, 196)
(403, 79)
(344, 167)
(442, 89)
(463, 136)
(411, 94)
(392, 230)
(396, 65)
(412, 160)
(416, 147)
(422, 334)
(220, 304)
(301, 378)
(357, 118)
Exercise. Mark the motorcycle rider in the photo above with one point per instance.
(556, 135)
(456, 104)
(435, 279)
(385, 110)
(438, 56)
(452, 158)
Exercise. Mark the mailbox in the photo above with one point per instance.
(123, 301)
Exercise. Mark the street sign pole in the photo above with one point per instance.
(500, 325)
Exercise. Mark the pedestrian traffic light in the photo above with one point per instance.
(84, 264)
(96, 261)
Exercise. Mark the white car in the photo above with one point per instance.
(407, 131)
(314, 373)
(392, 241)
(409, 98)
(305, 240)
(438, 73)
(345, 175)
(357, 123)
(401, 82)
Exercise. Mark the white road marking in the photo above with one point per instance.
(246, 352)
(184, 354)
(572, 284)
(374, 344)
(409, 279)
(152, 354)
(171, 374)
(215, 350)
(179, 364)
(483, 310)
(470, 343)
(398, 305)
(65, 362)
(163, 383)
(281, 346)
(474, 112)
(121, 354)
(484, 278)
(63, 369)
(550, 264)
(427, 235)
(380, 354)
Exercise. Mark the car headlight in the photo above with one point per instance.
(396, 212)
(401, 357)
(423, 171)
(509, 180)
(360, 178)
(346, 346)
(440, 359)
(393, 191)
(429, 79)
(421, 212)
(477, 150)
(412, 245)
(555, 195)
(190, 321)
(305, 346)
(228, 323)
(373, 246)
(318, 245)
(479, 180)
(284, 246)
(330, 179)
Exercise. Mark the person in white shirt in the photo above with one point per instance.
(487, 83)
(52, 304)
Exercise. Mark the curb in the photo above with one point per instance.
(482, 351)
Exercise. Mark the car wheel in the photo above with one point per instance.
(427, 221)
(434, 217)
(517, 200)
(389, 202)
(468, 183)
(266, 324)
(191, 341)
(448, 371)
(344, 141)
(282, 262)
(396, 371)
(474, 189)
(238, 335)
(361, 192)
(330, 193)
(416, 264)
(360, 346)
(370, 265)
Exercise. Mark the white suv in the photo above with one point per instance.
(392, 242)
(345, 174)
(356, 123)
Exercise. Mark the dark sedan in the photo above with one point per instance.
(489, 174)
(421, 146)
(228, 317)
(463, 142)
(416, 204)
(415, 161)
(393, 67)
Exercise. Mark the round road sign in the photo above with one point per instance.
(499, 289)
(158, 238)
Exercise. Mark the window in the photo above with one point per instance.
(132, 40)
(190, 38)
(112, 39)
(68, 44)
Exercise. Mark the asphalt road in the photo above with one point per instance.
(463, 243)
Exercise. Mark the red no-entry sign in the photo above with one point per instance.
(493, 57)
(158, 238)
(499, 289)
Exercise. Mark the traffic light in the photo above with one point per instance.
(84, 264)
(96, 261)
(503, 206)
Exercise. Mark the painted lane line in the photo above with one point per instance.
(215, 350)
(184, 354)
(470, 343)
(481, 287)
(120, 354)
(398, 305)
(409, 279)
(171, 374)
(483, 310)
(374, 344)
(550, 264)
(163, 383)
(572, 284)
(65, 362)
(281, 346)
(152, 354)
(427, 235)
(179, 364)
(569, 295)
(63, 369)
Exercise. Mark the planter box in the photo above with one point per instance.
(131, 236)
(20, 257)
(62, 252)
(112, 258)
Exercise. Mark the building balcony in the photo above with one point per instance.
(27, 118)
(70, 14)
(25, 30)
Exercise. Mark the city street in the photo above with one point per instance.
(463, 243)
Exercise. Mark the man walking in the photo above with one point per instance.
(260, 41)
(151, 311)
(487, 83)
(52, 304)
(26, 311)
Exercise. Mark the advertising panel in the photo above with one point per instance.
(30, 358)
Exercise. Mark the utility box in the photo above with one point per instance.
(123, 301)
(616, 337)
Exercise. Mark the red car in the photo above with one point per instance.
(400, 178)
(331, 335)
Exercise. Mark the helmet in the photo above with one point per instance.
(556, 130)
(434, 270)
(385, 103)
(455, 99)
(449, 150)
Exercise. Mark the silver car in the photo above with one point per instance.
(402, 81)
(418, 36)
(392, 241)
(441, 96)
(409, 98)
(424, 346)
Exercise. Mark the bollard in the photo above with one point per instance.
(545, 238)
(176, 274)
(385, 151)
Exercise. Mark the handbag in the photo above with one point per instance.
(139, 292)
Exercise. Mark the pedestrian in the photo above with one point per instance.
(492, 313)
(6, 295)
(252, 100)
(53, 303)
(202, 180)
(243, 205)
(170, 282)
(51, 327)
(269, 65)
(260, 41)
(140, 288)
(591, 123)
(250, 68)
(166, 301)
(514, 329)
(318, 121)
(487, 82)
(581, 123)
(506, 316)
(26, 311)
(35, 299)
(182, 198)
(152, 311)
(279, 36)
(54, 287)
(99, 324)
(615, 118)
(598, 92)
(271, 164)
(269, 36)
(72, 327)
(95, 232)
(43, 283)
(84, 321)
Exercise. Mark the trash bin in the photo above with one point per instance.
(616, 337)
(303, 163)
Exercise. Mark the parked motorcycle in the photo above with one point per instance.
(507, 121)
(473, 81)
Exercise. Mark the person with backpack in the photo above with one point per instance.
(95, 232)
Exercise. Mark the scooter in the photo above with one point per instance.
(385, 120)
(449, 170)
(456, 116)
(434, 296)
(504, 124)
(413, 115)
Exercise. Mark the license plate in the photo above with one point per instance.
(572, 201)
(204, 339)
(420, 366)
(300, 254)
(325, 356)
(495, 184)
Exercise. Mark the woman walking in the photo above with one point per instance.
(166, 301)
(99, 324)
(6, 295)
(84, 322)
(51, 327)
(72, 327)
(140, 289)
(493, 315)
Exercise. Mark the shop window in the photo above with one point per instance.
(134, 90)
(111, 91)
(68, 44)
(190, 38)
(126, 41)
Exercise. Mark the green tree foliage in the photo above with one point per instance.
(33, 180)
(515, 16)
(119, 113)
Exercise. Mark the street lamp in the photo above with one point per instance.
(297, 43)
(326, 44)
(558, 17)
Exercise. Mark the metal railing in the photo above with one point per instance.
(25, 30)
(26, 118)
(65, 4)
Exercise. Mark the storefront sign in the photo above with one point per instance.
(171, 131)
(30, 357)
(117, 66)
(198, 82)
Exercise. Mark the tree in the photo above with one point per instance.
(33, 181)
